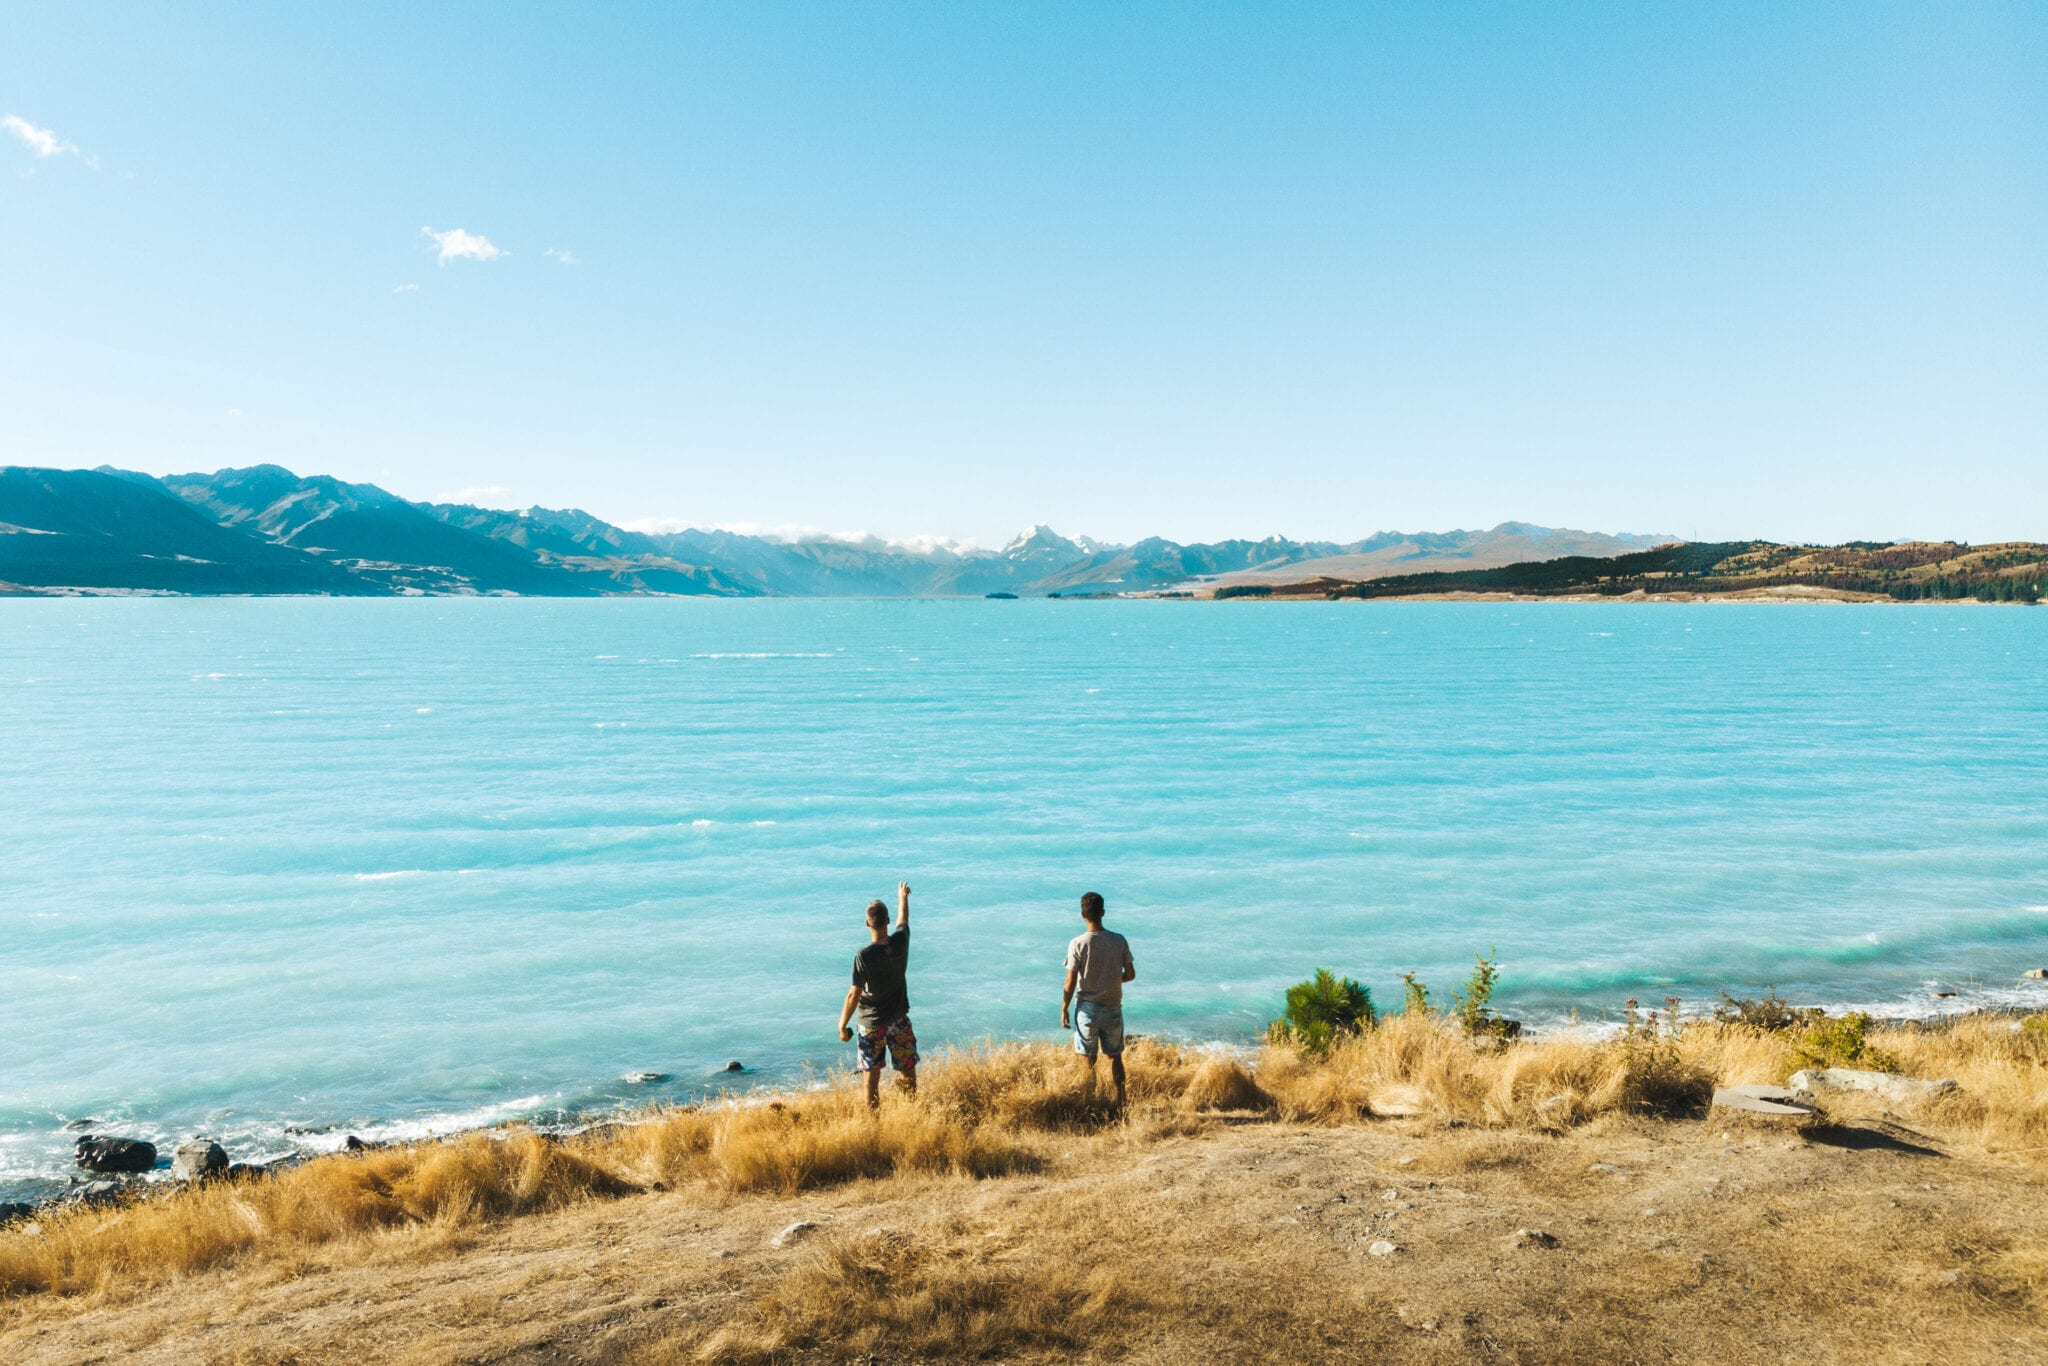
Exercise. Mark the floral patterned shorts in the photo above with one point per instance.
(895, 1036)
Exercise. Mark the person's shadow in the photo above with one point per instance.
(1872, 1135)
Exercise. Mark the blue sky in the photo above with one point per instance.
(1199, 271)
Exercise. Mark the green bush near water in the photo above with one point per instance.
(1818, 1039)
(1840, 1042)
(1321, 1010)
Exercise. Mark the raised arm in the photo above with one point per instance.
(902, 905)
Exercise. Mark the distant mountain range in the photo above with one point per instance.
(266, 530)
(1859, 571)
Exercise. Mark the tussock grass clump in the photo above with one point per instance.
(1224, 1084)
(447, 1185)
(907, 1300)
(819, 1138)
(1432, 1067)
(1041, 1088)
(2000, 1066)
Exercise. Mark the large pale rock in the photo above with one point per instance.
(1774, 1101)
(802, 1228)
(98, 1153)
(198, 1159)
(1898, 1090)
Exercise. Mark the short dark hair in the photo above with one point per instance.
(878, 914)
(1091, 907)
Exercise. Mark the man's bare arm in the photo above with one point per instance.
(846, 1013)
(1130, 971)
(902, 905)
(1067, 997)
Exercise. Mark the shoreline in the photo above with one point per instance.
(1182, 593)
(1416, 1190)
(558, 1117)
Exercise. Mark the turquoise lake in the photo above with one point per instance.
(277, 871)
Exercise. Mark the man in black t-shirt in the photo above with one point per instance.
(882, 998)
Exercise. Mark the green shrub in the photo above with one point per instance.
(1243, 590)
(1320, 1010)
(1840, 1042)
(2030, 1038)
(1474, 1008)
(1418, 996)
(1771, 1013)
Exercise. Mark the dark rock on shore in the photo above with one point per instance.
(79, 1126)
(734, 1066)
(11, 1211)
(644, 1078)
(102, 1154)
(108, 1190)
(352, 1144)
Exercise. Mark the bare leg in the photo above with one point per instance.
(874, 1088)
(909, 1081)
(1116, 1074)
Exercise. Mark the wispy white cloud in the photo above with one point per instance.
(488, 496)
(234, 412)
(41, 141)
(457, 244)
(407, 288)
(567, 258)
(796, 533)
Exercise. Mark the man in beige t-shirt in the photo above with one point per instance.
(1098, 965)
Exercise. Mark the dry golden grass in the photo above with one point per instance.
(1503, 1112)
(441, 1185)
(904, 1298)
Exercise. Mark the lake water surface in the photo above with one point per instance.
(274, 871)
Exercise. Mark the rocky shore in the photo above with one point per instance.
(115, 1169)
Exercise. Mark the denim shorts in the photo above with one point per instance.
(1098, 1026)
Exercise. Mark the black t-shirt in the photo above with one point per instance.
(878, 972)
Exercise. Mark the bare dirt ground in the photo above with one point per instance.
(1676, 1241)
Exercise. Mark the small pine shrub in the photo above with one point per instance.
(1417, 1002)
(1321, 1010)
(1840, 1042)
(1474, 1008)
